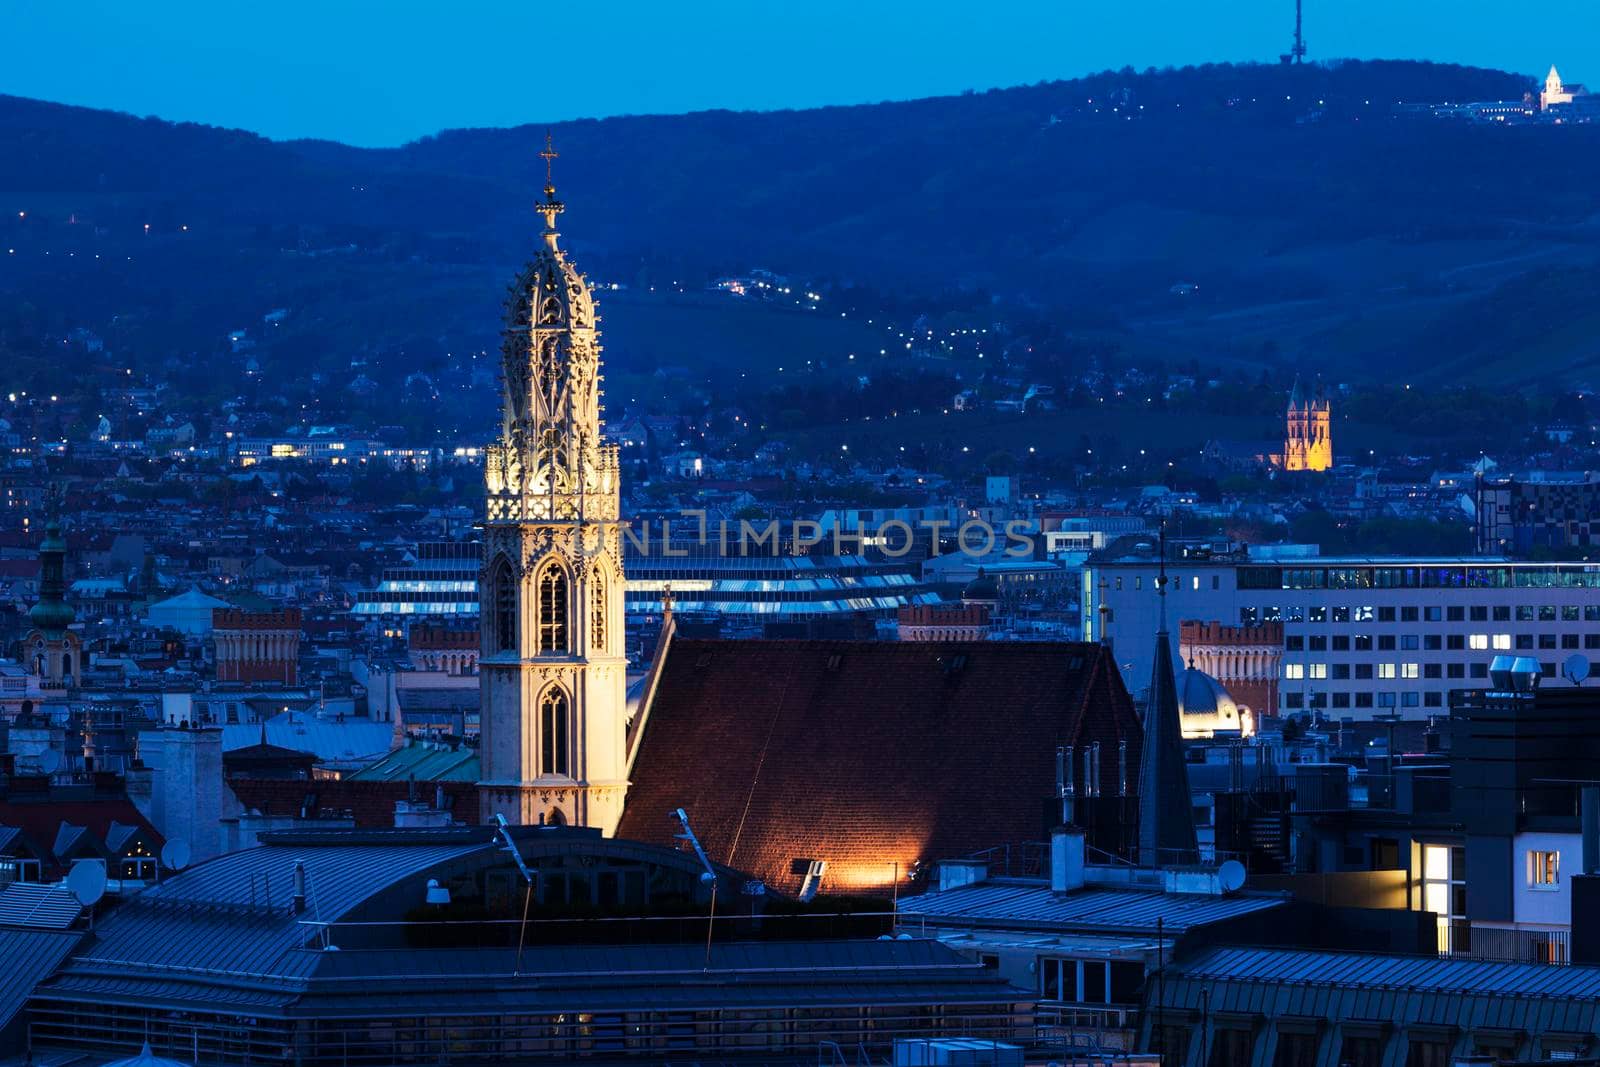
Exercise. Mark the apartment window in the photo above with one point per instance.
(1544, 869)
(1316, 614)
(1363, 700)
(1216, 581)
(1386, 670)
(1408, 614)
(1547, 613)
(1591, 613)
(1363, 642)
(1432, 642)
(1569, 613)
(1341, 672)
(1433, 700)
(1319, 700)
(1591, 640)
(1547, 640)
(1479, 670)
(1138, 581)
(1569, 640)
(1119, 583)
(1455, 670)
(1248, 617)
(1341, 700)
(1294, 671)
(1455, 642)
(1409, 642)
(1502, 613)
(1195, 583)
(1433, 614)
(1341, 642)
(1432, 670)
(1294, 700)
(1524, 641)
(1385, 700)
(1294, 643)
(1502, 642)
(1317, 670)
(1524, 612)
(1363, 671)
(1478, 641)
(1480, 614)
(1409, 700)
(1386, 615)
(1343, 615)
(1409, 670)
(1319, 643)
(1363, 614)
(1457, 614)
(1386, 642)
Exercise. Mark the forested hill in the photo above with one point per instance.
(1314, 216)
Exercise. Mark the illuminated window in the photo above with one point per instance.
(1318, 670)
(1544, 870)
(553, 732)
(1386, 670)
(553, 610)
(1294, 670)
(1502, 642)
(1478, 641)
(1408, 670)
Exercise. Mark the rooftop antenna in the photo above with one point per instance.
(527, 896)
(708, 876)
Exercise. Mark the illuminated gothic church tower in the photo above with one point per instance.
(1308, 438)
(552, 670)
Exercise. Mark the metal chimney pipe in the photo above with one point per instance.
(299, 886)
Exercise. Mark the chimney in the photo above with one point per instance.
(1585, 887)
(1066, 859)
(299, 887)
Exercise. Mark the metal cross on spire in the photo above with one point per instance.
(1161, 577)
(551, 207)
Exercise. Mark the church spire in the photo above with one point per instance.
(1166, 822)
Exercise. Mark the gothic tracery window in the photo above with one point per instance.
(597, 624)
(505, 607)
(553, 724)
(553, 610)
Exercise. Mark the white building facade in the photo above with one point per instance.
(1363, 637)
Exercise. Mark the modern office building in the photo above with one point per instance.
(1362, 637)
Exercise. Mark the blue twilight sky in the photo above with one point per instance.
(381, 73)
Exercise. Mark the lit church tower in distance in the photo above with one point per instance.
(551, 664)
(1308, 435)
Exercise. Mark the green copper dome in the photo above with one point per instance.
(52, 613)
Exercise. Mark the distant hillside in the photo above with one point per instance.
(1317, 226)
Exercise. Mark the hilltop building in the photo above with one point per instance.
(1555, 93)
(552, 667)
(1308, 435)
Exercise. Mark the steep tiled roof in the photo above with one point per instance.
(866, 754)
(59, 824)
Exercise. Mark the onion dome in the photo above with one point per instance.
(981, 590)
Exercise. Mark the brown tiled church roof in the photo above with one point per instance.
(867, 754)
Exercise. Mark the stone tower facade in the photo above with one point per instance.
(1308, 435)
(551, 663)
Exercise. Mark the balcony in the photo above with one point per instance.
(1511, 946)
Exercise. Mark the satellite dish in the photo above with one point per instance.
(87, 881)
(1230, 876)
(175, 855)
(49, 761)
(1575, 668)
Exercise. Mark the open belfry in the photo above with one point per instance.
(553, 672)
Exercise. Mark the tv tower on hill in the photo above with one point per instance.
(1297, 54)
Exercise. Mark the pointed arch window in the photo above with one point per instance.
(504, 606)
(553, 610)
(553, 730)
(597, 611)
